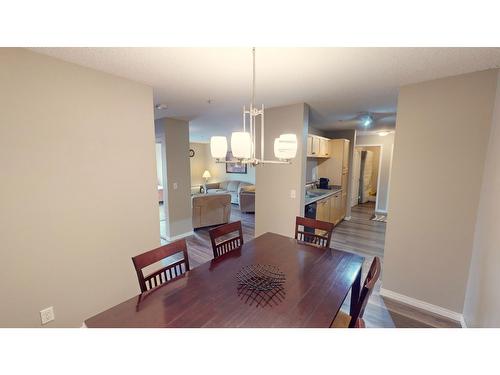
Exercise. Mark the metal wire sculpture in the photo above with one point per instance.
(261, 284)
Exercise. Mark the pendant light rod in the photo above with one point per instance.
(244, 143)
(253, 77)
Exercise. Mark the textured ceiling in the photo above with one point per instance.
(337, 83)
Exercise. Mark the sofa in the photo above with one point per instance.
(210, 209)
(232, 187)
(247, 199)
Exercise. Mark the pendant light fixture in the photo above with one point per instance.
(243, 143)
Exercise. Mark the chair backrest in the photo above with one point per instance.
(165, 274)
(222, 242)
(314, 235)
(371, 279)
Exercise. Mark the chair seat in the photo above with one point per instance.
(342, 320)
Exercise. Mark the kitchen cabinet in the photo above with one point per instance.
(324, 147)
(323, 209)
(318, 147)
(336, 208)
(336, 168)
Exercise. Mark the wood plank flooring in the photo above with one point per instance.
(359, 235)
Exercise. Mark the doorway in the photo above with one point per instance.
(161, 186)
(367, 161)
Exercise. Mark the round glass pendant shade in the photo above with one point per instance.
(285, 147)
(218, 147)
(241, 145)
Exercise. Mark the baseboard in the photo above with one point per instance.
(347, 218)
(178, 237)
(438, 310)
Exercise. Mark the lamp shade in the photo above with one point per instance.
(206, 174)
(241, 145)
(218, 147)
(285, 147)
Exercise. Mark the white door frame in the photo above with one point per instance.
(379, 168)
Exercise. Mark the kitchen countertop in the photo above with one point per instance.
(324, 194)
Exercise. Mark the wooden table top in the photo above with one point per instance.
(317, 282)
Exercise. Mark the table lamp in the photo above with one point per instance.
(206, 176)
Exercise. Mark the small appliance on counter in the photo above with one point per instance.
(323, 183)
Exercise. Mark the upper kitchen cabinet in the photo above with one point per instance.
(318, 147)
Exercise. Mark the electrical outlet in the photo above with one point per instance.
(47, 315)
(175, 186)
(293, 194)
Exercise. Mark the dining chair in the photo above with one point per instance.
(343, 320)
(222, 241)
(314, 232)
(174, 269)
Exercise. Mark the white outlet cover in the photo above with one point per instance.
(47, 315)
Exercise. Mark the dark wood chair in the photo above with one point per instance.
(319, 234)
(165, 274)
(222, 241)
(343, 320)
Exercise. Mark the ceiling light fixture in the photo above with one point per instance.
(383, 133)
(367, 121)
(243, 143)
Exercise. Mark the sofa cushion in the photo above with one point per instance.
(233, 185)
(213, 191)
(223, 185)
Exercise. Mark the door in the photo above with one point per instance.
(366, 170)
(356, 164)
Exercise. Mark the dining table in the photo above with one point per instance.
(316, 283)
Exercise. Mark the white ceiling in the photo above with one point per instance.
(337, 83)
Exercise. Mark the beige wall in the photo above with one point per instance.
(387, 143)
(439, 153)
(275, 210)
(174, 135)
(482, 301)
(199, 163)
(78, 188)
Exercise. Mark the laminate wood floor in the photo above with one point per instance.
(359, 235)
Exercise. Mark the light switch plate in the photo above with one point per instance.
(47, 315)
(175, 185)
(293, 194)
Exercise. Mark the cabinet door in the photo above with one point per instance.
(345, 159)
(323, 210)
(309, 145)
(343, 205)
(343, 181)
(315, 146)
(335, 208)
(324, 147)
